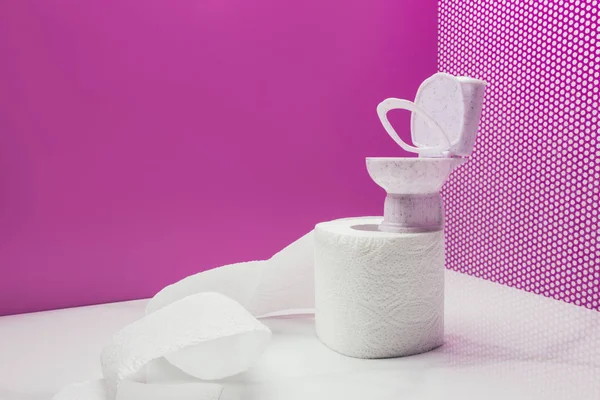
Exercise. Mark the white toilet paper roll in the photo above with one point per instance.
(378, 294)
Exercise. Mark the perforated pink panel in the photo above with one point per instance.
(524, 211)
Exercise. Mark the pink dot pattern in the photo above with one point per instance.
(524, 211)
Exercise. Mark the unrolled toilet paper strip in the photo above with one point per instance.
(208, 331)
(205, 325)
(281, 285)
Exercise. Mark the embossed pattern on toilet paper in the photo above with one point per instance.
(378, 294)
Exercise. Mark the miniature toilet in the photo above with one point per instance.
(444, 122)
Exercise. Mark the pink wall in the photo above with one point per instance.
(142, 141)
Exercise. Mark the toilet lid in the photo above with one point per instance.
(441, 97)
(445, 116)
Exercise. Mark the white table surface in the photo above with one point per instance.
(501, 343)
